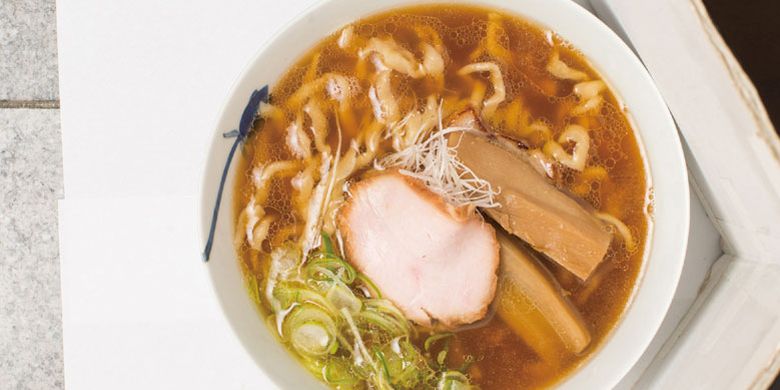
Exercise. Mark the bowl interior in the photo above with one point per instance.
(618, 65)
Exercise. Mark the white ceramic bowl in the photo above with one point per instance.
(608, 54)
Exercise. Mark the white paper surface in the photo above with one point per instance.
(138, 312)
(141, 84)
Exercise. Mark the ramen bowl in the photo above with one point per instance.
(621, 70)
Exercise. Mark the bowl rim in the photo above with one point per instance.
(668, 282)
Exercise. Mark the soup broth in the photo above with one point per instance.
(539, 104)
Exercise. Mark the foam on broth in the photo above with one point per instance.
(501, 359)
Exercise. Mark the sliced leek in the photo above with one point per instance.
(337, 322)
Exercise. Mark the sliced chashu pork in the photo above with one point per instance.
(437, 263)
(531, 207)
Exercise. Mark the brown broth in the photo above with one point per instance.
(502, 360)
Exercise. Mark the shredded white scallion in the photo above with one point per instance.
(359, 345)
(435, 163)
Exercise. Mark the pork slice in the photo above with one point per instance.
(437, 263)
(532, 208)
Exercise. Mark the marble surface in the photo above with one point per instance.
(30, 184)
(30, 309)
(28, 47)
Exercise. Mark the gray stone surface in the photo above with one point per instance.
(28, 50)
(30, 184)
(30, 307)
